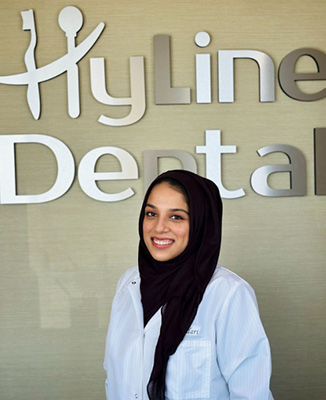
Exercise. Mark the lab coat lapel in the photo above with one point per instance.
(134, 290)
(154, 321)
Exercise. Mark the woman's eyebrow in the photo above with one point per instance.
(171, 209)
(150, 205)
(179, 209)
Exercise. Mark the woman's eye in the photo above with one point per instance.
(150, 214)
(176, 217)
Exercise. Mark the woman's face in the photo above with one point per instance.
(166, 222)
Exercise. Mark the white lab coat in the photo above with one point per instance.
(225, 354)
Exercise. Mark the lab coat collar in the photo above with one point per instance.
(134, 289)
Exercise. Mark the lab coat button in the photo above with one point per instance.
(136, 396)
(134, 283)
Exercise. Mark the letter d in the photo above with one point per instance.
(65, 162)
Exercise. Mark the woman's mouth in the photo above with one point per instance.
(162, 243)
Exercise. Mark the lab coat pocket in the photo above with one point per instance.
(188, 371)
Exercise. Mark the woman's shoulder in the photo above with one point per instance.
(222, 273)
(227, 289)
(128, 276)
(228, 281)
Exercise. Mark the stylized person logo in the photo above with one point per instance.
(70, 21)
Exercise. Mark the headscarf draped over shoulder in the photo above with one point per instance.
(178, 285)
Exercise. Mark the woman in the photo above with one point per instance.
(181, 326)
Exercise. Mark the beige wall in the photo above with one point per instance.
(60, 261)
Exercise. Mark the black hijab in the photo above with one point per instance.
(178, 285)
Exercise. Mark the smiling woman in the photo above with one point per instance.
(183, 327)
(166, 222)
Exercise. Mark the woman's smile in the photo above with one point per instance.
(166, 222)
(162, 243)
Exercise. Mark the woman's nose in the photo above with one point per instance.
(161, 225)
